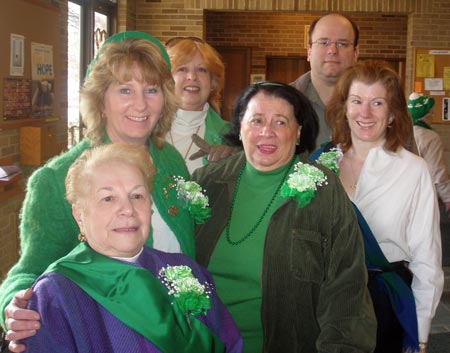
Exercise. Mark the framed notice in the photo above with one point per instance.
(16, 99)
(17, 55)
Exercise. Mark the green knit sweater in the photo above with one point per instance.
(48, 230)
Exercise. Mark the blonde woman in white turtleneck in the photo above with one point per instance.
(198, 72)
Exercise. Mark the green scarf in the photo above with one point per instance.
(138, 299)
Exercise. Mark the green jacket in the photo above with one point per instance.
(215, 128)
(314, 294)
(48, 230)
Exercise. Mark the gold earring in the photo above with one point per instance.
(81, 237)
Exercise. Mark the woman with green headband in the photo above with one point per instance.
(127, 97)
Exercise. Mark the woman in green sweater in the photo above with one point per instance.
(127, 97)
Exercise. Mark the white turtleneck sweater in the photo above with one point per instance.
(185, 124)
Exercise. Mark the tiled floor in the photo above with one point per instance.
(441, 321)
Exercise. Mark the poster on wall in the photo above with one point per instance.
(16, 98)
(42, 75)
(425, 64)
(16, 61)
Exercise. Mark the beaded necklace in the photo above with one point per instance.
(258, 222)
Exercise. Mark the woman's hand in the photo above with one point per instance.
(20, 322)
(213, 153)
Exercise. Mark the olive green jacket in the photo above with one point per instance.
(314, 294)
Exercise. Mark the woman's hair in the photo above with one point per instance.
(183, 50)
(85, 164)
(114, 64)
(303, 111)
(369, 72)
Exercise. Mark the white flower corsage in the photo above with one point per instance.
(196, 201)
(331, 159)
(192, 297)
(302, 183)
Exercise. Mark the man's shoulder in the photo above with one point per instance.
(302, 82)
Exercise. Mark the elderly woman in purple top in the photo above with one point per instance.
(113, 294)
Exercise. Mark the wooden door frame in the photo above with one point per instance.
(247, 54)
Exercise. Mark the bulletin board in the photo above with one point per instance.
(35, 23)
(432, 78)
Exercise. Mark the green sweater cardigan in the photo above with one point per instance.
(48, 230)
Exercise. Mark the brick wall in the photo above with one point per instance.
(168, 18)
(9, 147)
(282, 34)
(9, 246)
(127, 18)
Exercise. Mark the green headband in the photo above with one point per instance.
(118, 37)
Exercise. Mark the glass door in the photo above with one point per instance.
(90, 22)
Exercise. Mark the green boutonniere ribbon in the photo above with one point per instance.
(331, 159)
(192, 297)
(302, 183)
(196, 201)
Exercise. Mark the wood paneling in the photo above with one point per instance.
(237, 75)
(285, 69)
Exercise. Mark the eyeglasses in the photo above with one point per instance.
(325, 43)
(172, 41)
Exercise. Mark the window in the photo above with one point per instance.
(90, 22)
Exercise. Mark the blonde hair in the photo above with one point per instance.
(113, 65)
(84, 165)
(182, 51)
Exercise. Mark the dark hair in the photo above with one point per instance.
(370, 72)
(354, 26)
(303, 111)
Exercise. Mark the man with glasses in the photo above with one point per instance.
(333, 46)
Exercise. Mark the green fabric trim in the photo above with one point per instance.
(215, 128)
(138, 299)
(164, 195)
